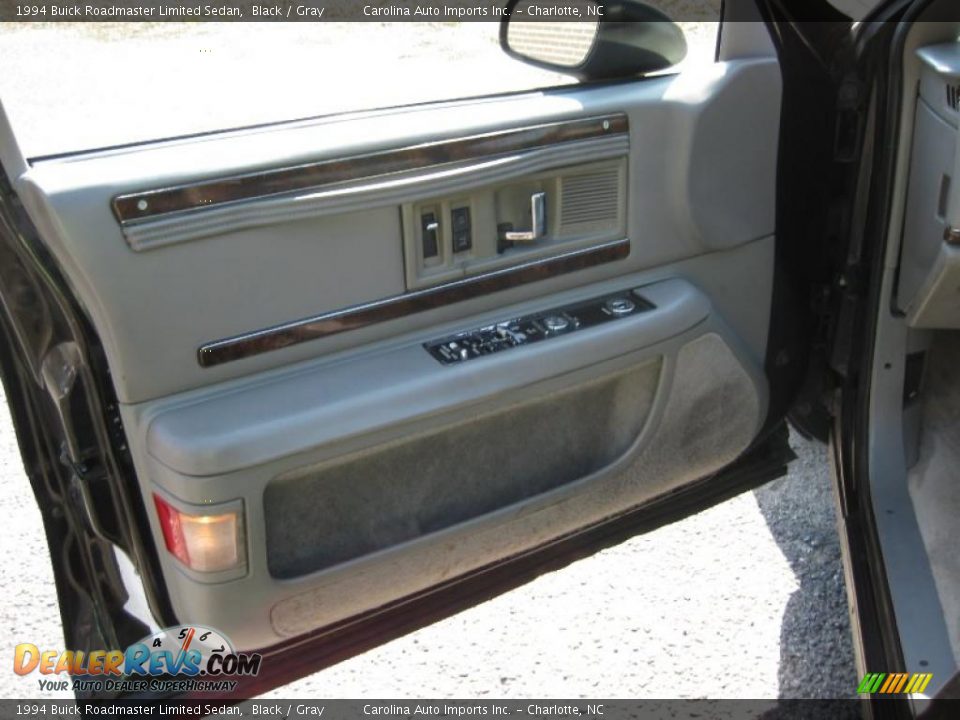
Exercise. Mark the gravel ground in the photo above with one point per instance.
(745, 599)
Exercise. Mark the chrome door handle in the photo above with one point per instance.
(538, 214)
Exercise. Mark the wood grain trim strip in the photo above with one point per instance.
(211, 193)
(313, 328)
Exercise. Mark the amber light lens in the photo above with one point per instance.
(206, 543)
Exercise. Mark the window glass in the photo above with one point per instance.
(75, 86)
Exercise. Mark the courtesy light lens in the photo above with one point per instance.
(206, 543)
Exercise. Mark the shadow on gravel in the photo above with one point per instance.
(816, 651)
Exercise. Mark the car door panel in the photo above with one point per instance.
(265, 318)
(346, 533)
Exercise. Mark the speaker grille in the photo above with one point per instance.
(589, 201)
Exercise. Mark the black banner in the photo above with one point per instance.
(330, 10)
(400, 10)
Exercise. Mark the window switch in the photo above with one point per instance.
(460, 224)
(429, 235)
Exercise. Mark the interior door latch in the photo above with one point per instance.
(538, 215)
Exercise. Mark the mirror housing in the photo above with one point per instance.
(630, 39)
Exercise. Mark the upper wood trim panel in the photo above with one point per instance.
(212, 193)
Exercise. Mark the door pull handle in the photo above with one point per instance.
(538, 214)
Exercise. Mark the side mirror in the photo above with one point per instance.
(595, 41)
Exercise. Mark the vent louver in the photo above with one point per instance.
(953, 96)
(589, 201)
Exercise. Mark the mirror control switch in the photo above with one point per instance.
(620, 305)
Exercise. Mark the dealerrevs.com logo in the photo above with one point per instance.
(185, 658)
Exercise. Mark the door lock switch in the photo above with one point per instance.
(461, 230)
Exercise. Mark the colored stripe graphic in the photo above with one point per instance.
(914, 681)
(894, 683)
(867, 685)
